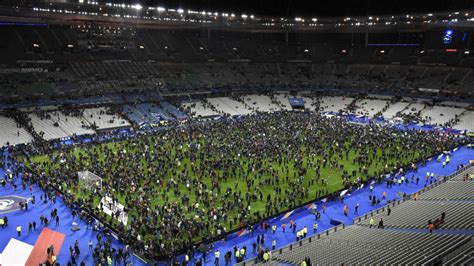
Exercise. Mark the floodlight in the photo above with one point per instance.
(137, 7)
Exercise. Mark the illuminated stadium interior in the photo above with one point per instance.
(236, 132)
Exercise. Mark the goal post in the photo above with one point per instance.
(89, 180)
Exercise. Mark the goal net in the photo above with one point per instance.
(89, 180)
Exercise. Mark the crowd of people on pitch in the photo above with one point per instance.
(201, 179)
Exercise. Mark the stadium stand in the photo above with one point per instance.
(173, 111)
(370, 107)
(103, 118)
(282, 101)
(229, 106)
(440, 115)
(403, 238)
(415, 214)
(66, 123)
(11, 133)
(261, 103)
(311, 103)
(335, 104)
(47, 127)
(361, 245)
(413, 108)
(452, 190)
(393, 109)
(73, 72)
(200, 109)
(465, 256)
(465, 121)
(146, 113)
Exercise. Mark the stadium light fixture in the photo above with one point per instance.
(244, 16)
(137, 7)
(314, 19)
(180, 11)
(160, 9)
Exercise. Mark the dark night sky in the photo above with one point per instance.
(320, 8)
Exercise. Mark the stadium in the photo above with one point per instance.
(236, 133)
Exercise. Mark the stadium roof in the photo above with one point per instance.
(322, 8)
(152, 15)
